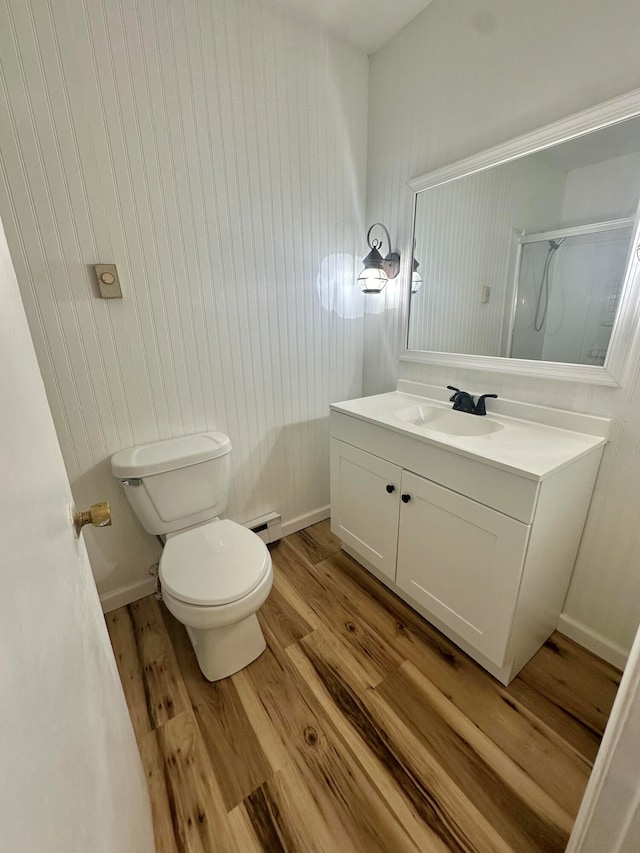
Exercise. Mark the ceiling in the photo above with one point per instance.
(365, 24)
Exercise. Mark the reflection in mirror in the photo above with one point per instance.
(527, 259)
(568, 292)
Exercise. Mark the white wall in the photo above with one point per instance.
(605, 190)
(215, 150)
(465, 233)
(462, 77)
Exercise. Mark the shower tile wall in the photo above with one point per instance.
(215, 150)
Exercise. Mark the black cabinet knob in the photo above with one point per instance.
(406, 498)
(391, 488)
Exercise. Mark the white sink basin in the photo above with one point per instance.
(418, 415)
(447, 421)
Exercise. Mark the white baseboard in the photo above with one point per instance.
(127, 594)
(592, 641)
(305, 520)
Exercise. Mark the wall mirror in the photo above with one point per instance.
(529, 252)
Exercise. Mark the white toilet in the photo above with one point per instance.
(215, 574)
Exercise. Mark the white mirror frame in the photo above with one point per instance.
(610, 112)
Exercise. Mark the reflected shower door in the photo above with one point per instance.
(567, 313)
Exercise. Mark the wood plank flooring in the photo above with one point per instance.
(360, 728)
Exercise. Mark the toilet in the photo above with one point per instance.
(215, 574)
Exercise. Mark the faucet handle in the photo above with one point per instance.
(462, 400)
(480, 408)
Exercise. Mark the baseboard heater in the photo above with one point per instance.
(268, 527)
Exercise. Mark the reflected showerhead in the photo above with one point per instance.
(555, 244)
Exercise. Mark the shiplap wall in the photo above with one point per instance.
(215, 150)
(463, 77)
(466, 237)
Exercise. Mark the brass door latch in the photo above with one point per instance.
(99, 515)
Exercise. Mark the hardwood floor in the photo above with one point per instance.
(360, 728)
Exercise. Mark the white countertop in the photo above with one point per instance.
(531, 448)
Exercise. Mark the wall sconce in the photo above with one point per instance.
(378, 270)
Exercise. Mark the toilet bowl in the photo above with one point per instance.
(214, 578)
(214, 573)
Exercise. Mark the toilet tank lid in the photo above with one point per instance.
(170, 454)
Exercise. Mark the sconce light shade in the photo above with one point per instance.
(372, 277)
(376, 269)
(416, 278)
(372, 280)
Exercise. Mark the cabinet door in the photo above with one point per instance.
(365, 497)
(461, 561)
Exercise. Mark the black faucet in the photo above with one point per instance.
(463, 401)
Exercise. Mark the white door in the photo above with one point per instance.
(461, 561)
(365, 501)
(71, 779)
(609, 816)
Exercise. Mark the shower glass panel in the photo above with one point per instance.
(568, 290)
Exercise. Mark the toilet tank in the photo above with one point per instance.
(176, 483)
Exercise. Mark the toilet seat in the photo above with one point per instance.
(213, 564)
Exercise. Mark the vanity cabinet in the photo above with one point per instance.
(460, 560)
(484, 554)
